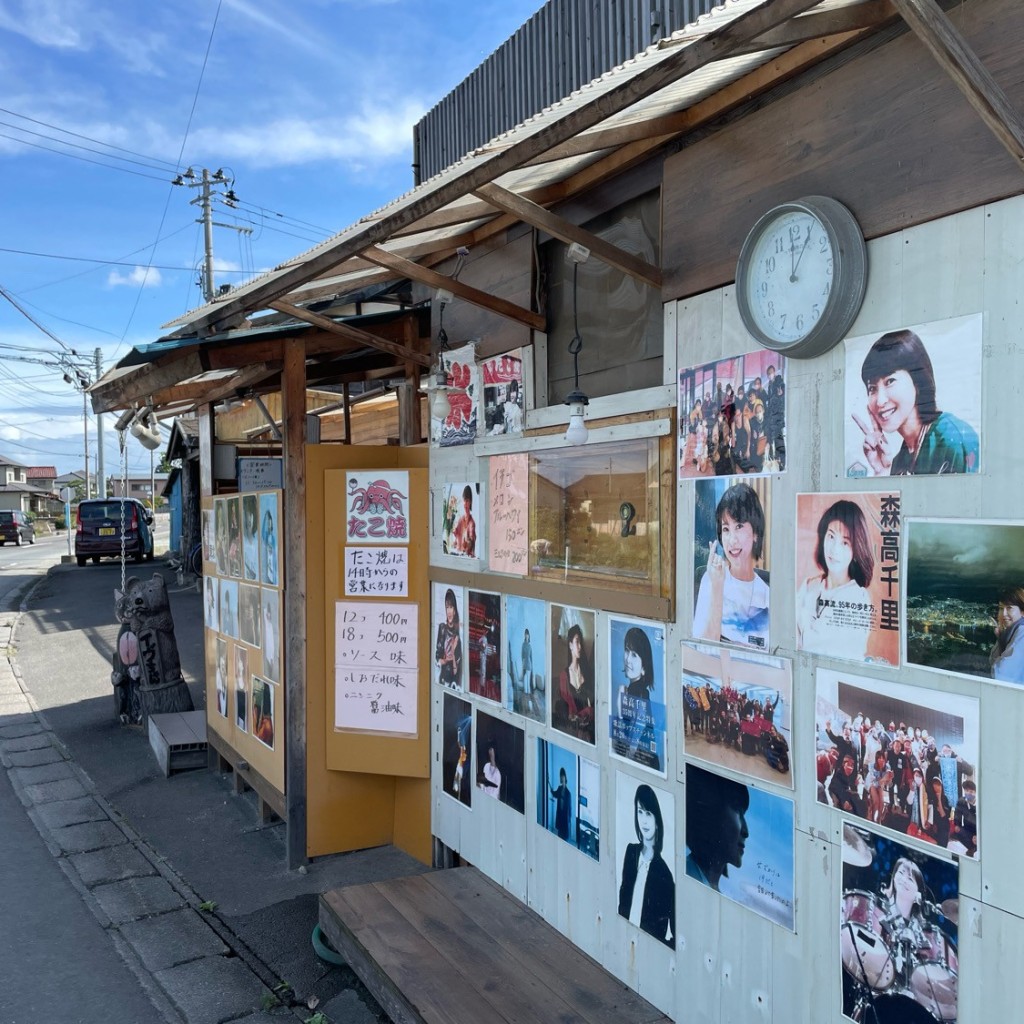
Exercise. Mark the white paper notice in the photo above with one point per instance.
(376, 666)
(376, 572)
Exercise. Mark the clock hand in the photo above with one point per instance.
(801, 256)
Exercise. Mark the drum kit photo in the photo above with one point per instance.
(901, 971)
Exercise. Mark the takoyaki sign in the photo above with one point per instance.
(377, 507)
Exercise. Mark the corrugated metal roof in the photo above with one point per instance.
(667, 78)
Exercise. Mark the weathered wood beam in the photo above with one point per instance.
(972, 78)
(353, 334)
(600, 104)
(142, 381)
(559, 227)
(431, 278)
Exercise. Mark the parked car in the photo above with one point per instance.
(16, 527)
(98, 529)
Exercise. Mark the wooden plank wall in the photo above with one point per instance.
(889, 135)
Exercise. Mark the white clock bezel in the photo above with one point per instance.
(849, 277)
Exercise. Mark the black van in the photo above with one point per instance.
(98, 529)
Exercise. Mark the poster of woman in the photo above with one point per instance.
(636, 660)
(965, 598)
(913, 400)
(738, 710)
(732, 416)
(457, 749)
(573, 702)
(449, 635)
(848, 576)
(898, 931)
(484, 636)
(462, 524)
(526, 663)
(500, 761)
(263, 711)
(503, 393)
(739, 842)
(732, 561)
(250, 537)
(569, 797)
(271, 634)
(270, 571)
(645, 857)
(902, 757)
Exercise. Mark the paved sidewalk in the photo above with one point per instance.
(142, 853)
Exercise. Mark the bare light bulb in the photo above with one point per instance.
(577, 432)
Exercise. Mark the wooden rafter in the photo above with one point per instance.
(971, 77)
(431, 278)
(601, 103)
(559, 227)
(353, 334)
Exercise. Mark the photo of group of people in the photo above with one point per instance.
(733, 826)
(899, 931)
(732, 416)
(965, 598)
(738, 710)
(899, 756)
(242, 611)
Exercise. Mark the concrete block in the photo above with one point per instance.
(171, 939)
(71, 812)
(213, 989)
(62, 789)
(111, 865)
(90, 835)
(135, 898)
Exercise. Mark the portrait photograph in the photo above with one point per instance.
(234, 537)
(739, 842)
(270, 569)
(250, 537)
(526, 663)
(898, 931)
(220, 529)
(229, 625)
(913, 400)
(211, 603)
(500, 761)
(503, 393)
(240, 676)
(447, 606)
(221, 676)
(569, 797)
(636, 675)
(732, 416)
(263, 711)
(901, 757)
(462, 520)
(965, 598)
(457, 749)
(645, 849)
(271, 634)
(738, 710)
(209, 536)
(573, 700)
(484, 635)
(249, 614)
(459, 425)
(848, 576)
(732, 562)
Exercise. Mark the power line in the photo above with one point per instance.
(105, 263)
(78, 135)
(75, 156)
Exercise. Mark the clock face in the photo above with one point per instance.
(789, 276)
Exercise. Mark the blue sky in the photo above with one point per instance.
(308, 106)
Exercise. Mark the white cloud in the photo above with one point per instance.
(136, 277)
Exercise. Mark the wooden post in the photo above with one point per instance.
(293, 394)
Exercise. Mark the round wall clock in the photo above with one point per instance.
(801, 276)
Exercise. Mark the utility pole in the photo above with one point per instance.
(85, 430)
(101, 468)
(205, 203)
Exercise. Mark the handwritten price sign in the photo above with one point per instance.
(509, 513)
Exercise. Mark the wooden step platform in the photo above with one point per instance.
(453, 947)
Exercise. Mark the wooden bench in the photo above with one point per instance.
(453, 947)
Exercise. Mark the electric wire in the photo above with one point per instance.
(75, 156)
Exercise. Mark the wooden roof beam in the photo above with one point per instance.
(432, 279)
(545, 220)
(352, 334)
(971, 77)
